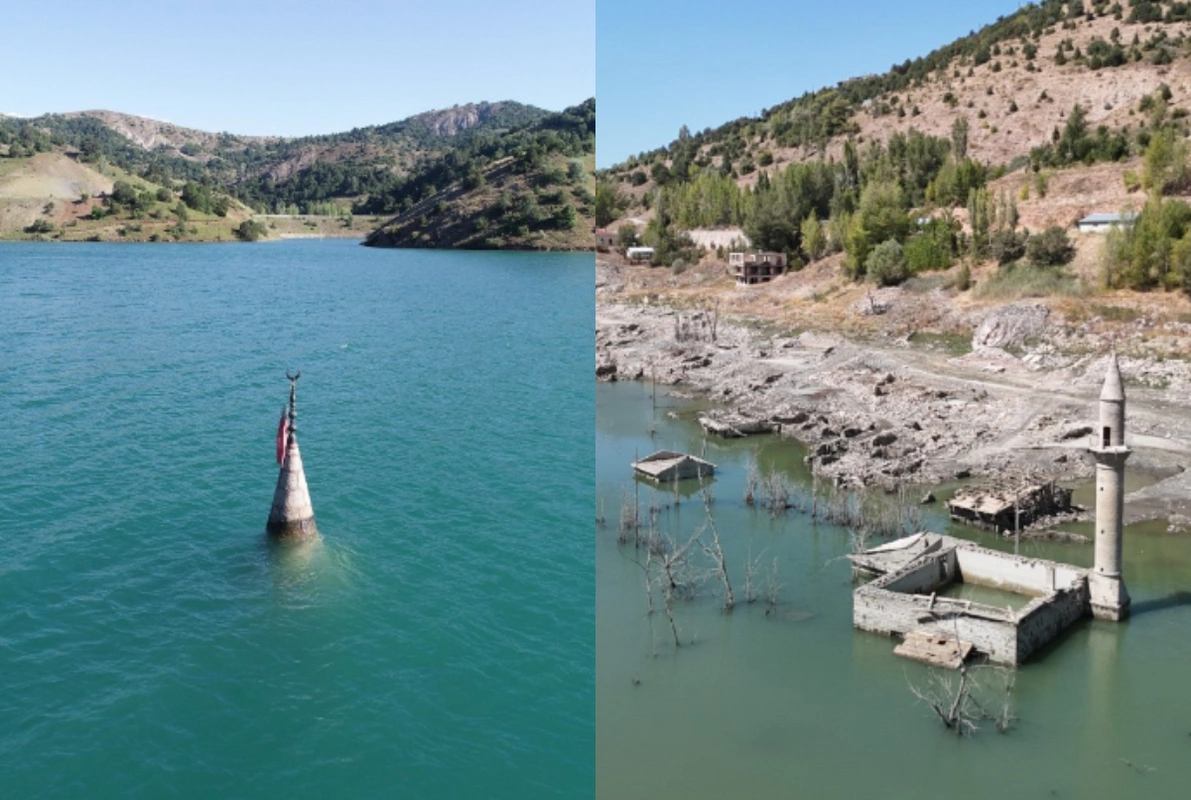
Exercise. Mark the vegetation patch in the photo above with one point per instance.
(1018, 281)
(955, 344)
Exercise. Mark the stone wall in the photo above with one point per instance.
(992, 631)
(1012, 573)
(926, 575)
(1046, 617)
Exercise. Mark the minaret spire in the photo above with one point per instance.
(1110, 598)
(292, 515)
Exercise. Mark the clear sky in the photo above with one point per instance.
(665, 63)
(294, 67)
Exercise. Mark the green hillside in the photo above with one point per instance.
(529, 188)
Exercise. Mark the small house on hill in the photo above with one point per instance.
(604, 238)
(666, 466)
(751, 268)
(1099, 223)
(637, 254)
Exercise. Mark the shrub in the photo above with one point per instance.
(963, 281)
(1021, 281)
(924, 253)
(1051, 248)
(1007, 246)
(250, 230)
(40, 226)
(886, 264)
(1041, 179)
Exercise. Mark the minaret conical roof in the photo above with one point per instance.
(1113, 389)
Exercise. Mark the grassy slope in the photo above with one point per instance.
(29, 185)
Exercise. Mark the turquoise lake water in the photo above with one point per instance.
(438, 641)
(793, 702)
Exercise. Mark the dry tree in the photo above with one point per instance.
(715, 552)
(772, 587)
(951, 700)
(777, 493)
(674, 577)
(750, 484)
(752, 568)
(630, 523)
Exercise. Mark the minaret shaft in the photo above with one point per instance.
(1110, 508)
(1110, 598)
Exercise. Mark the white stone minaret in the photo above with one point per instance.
(292, 515)
(1110, 599)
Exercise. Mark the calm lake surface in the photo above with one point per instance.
(437, 642)
(796, 703)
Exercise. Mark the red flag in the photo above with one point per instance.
(282, 436)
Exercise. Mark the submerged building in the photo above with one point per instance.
(914, 575)
(666, 465)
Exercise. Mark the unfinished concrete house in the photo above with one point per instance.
(1009, 508)
(665, 466)
(1024, 602)
(752, 268)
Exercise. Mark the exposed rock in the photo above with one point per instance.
(1010, 326)
(1076, 432)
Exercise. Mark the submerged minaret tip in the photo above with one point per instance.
(291, 515)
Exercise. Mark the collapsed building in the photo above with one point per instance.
(1009, 508)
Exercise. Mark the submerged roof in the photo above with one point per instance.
(1113, 389)
(664, 460)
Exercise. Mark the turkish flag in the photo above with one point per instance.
(282, 435)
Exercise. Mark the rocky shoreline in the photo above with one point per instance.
(881, 415)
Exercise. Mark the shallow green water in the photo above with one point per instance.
(988, 595)
(438, 641)
(798, 704)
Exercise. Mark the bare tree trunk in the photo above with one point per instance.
(716, 553)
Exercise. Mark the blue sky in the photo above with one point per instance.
(665, 63)
(295, 67)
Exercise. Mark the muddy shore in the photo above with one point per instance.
(883, 412)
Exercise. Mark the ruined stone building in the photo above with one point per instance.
(908, 597)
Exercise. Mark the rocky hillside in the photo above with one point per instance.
(314, 174)
(531, 188)
(1014, 81)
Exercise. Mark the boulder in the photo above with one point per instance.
(1010, 326)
